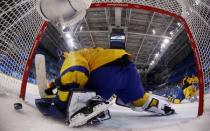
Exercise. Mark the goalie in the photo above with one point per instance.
(106, 72)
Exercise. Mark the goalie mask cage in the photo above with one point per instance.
(21, 28)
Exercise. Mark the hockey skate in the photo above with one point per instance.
(94, 111)
(193, 99)
(158, 106)
(154, 104)
(89, 116)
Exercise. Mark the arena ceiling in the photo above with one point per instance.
(145, 32)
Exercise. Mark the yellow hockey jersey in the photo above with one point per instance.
(78, 64)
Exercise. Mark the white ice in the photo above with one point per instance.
(30, 119)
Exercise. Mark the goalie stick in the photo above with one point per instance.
(41, 74)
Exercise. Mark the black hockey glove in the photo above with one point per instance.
(49, 91)
(51, 86)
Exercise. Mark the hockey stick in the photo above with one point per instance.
(41, 74)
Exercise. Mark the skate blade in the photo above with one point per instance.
(83, 120)
(172, 112)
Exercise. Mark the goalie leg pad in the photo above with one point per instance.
(78, 99)
(94, 111)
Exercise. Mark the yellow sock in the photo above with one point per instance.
(141, 101)
(177, 101)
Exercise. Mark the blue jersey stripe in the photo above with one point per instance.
(76, 68)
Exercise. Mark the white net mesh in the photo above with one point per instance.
(20, 23)
(198, 19)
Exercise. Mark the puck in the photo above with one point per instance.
(18, 106)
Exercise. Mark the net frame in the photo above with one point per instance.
(192, 17)
(30, 60)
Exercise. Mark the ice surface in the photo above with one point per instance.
(30, 119)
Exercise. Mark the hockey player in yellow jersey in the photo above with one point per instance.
(188, 90)
(195, 81)
(106, 72)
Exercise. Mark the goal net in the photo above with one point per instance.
(21, 28)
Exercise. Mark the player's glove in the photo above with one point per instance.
(49, 91)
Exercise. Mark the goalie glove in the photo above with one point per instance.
(49, 91)
(156, 105)
(51, 87)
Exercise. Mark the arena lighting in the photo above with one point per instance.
(163, 45)
(179, 24)
(171, 33)
(166, 41)
(68, 35)
(71, 43)
(152, 62)
(153, 32)
(156, 55)
(63, 27)
(81, 27)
